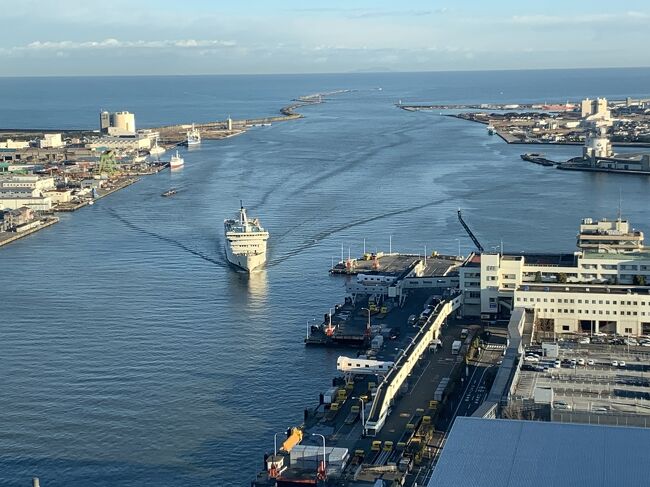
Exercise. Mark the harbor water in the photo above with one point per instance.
(132, 354)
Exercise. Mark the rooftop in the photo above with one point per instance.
(584, 288)
(507, 453)
(642, 255)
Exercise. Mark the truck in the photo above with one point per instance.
(354, 414)
(455, 347)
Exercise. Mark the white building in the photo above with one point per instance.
(50, 141)
(27, 181)
(117, 123)
(595, 109)
(604, 287)
(587, 308)
(127, 143)
(14, 198)
(14, 144)
(18, 191)
(609, 236)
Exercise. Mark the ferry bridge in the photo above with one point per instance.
(404, 365)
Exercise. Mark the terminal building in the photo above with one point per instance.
(602, 288)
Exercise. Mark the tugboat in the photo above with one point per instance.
(169, 192)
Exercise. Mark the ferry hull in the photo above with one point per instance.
(249, 263)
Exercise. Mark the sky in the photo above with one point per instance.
(151, 37)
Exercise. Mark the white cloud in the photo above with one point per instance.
(117, 44)
(563, 20)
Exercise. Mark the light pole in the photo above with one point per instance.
(458, 240)
(363, 415)
(274, 465)
(323, 468)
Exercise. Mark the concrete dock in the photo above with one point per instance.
(8, 237)
(405, 447)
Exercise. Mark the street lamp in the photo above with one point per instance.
(323, 468)
(274, 465)
(275, 445)
(363, 415)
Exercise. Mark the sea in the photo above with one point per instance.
(131, 354)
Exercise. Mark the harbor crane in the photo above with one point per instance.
(107, 163)
(469, 232)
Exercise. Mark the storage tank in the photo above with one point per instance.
(123, 122)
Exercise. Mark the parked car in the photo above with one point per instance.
(531, 359)
(614, 363)
(581, 361)
(591, 362)
(557, 364)
(622, 363)
(584, 341)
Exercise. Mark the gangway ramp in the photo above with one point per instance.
(390, 386)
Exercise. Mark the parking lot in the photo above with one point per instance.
(610, 377)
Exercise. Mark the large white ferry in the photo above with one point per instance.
(245, 241)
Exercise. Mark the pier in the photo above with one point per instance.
(400, 379)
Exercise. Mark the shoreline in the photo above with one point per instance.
(174, 134)
(510, 139)
(8, 237)
(128, 178)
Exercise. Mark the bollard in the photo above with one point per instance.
(35, 482)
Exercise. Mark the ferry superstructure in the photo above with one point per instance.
(245, 241)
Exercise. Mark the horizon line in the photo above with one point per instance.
(360, 72)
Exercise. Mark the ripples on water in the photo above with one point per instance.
(131, 354)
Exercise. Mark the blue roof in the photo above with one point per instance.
(507, 453)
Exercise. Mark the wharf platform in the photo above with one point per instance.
(403, 449)
(396, 264)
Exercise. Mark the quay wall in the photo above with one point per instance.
(44, 224)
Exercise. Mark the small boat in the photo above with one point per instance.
(169, 192)
(491, 130)
(156, 150)
(176, 161)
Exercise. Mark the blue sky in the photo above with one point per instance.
(89, 37)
